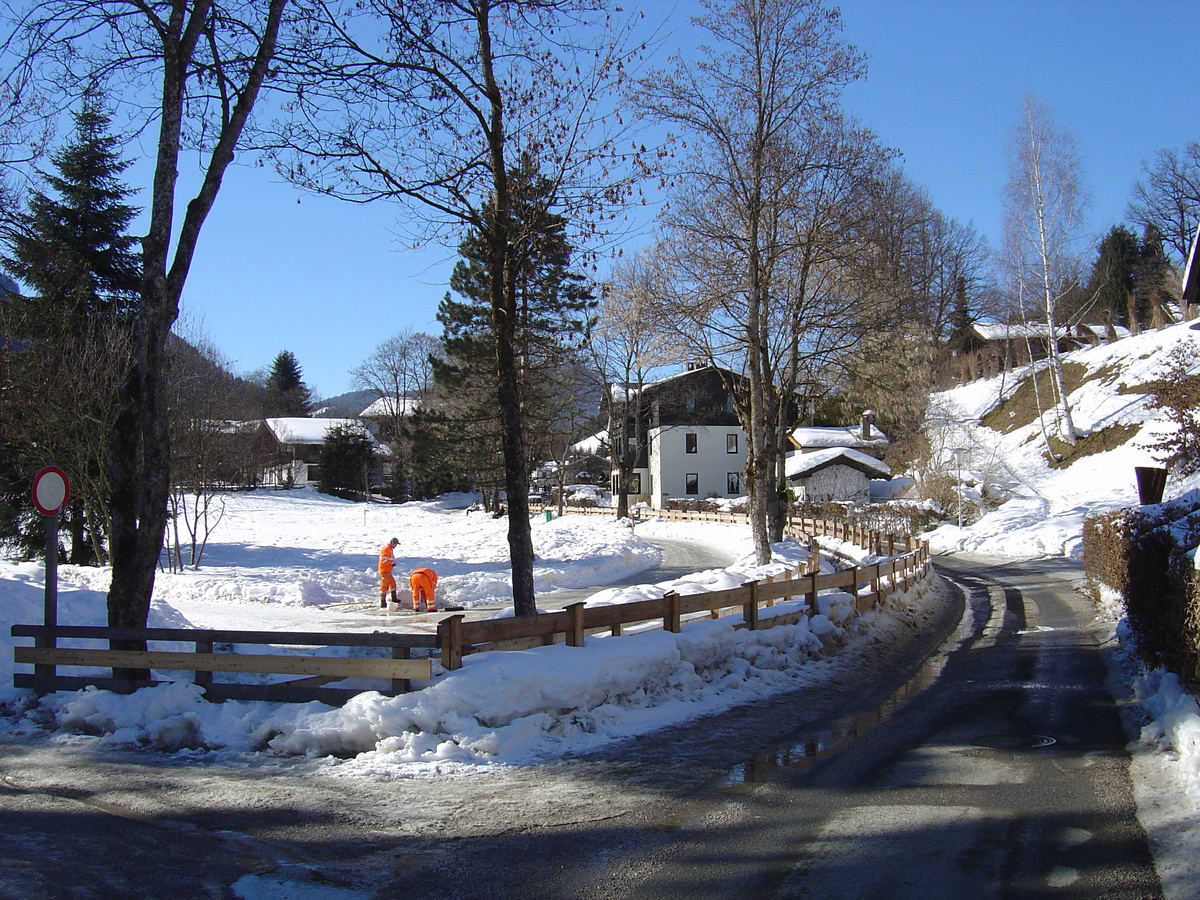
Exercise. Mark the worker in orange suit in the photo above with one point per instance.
(387, 581)
(422, 582)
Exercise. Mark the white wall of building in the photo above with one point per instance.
(712, 463)
(835, 483)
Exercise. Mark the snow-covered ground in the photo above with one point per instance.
(301, 561)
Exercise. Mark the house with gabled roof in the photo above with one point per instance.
(834, 473)
(694, 445)
(297, 443)
(864, 437)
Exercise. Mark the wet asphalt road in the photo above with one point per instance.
(981, 759)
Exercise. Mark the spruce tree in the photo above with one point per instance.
(286, 394)
(72, 251)
(81, 271)
(1151, 275)
(1112, 279)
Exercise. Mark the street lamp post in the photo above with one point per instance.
(958, 458)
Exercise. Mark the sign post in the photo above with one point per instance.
(51, 490)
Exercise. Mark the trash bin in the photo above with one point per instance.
(1151, 482)
(549, 515)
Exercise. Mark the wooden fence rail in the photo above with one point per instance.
(318, 671)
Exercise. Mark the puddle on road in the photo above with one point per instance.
(802, 753)
(798, 755)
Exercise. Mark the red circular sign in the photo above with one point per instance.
(51, 490)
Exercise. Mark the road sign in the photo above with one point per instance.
(51, 491)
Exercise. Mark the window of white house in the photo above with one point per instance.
(731, 443)
(691, 483)
(729, 407)
(691, 404)
(689, 442)
(635, 483)
(734, 483)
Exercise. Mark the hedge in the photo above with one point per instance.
(1146, 554)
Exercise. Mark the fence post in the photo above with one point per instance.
(203, 679)
(450, 638)
(399, 685)
(671, 613)
(810, 597)
(575, 635)
(750, 607)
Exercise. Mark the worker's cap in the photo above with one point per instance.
(394, 541)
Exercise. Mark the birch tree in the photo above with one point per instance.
(1045, 203)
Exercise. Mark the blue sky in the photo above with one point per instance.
(328, 280)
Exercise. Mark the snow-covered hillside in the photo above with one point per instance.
(1045, 507)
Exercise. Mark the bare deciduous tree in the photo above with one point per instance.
(1045, 203)
(436, 104)
(751, 111)
(192, 72)
(1167, 197)
(627, 348)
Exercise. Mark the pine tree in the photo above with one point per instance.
(286, 394)
(554, 311)
(82, 273)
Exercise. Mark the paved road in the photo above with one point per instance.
(983, 759)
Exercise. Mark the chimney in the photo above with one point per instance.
(868, 420)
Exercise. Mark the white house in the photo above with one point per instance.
(694, 446)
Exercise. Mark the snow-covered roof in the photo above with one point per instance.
(799, 464)
(295, 430)
(997, 331)
(818, 437)
(385, 407)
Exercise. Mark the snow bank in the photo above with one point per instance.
(502, 708)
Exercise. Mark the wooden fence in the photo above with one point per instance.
(455, 636)
(203, 661)
(869, 585)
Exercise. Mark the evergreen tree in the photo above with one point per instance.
(1151, 275)
(72, 251)
(70, 248)
(554, 311)
(346, 457)
(961, 318)
(1112, 279)
(286, 394)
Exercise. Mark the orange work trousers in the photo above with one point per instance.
(422, 582)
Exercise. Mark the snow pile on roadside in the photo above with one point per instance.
(509, 708)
